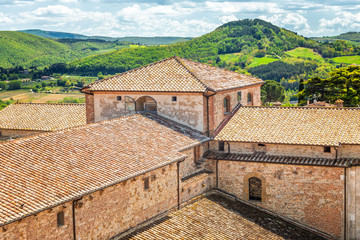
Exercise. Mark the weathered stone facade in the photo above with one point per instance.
(308, 194)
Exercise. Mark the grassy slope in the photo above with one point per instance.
(305, 53)
(18, 48)
(347, 59)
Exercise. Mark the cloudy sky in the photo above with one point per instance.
(118, 18)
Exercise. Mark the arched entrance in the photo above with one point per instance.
(146, 104)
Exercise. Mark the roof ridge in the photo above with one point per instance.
(193, 74)
(66, 129)
(126, 72)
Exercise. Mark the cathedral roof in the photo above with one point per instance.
(293, 125)
(42, 116)
(52, 168)
(174, 74)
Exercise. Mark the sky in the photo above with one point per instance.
(176, 17)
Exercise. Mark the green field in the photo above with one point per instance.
(231, 57)
(24, 96)
(347, 59)
(260, 61)
(305, 53)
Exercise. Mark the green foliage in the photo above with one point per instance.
(72, 100)
(344, 84)
(3, 85)
(301, 98)
(6, 103)
(272, 91)
(12, 85)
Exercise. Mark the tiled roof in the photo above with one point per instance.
(263, 158)
(174, 75)
(42, 116)
(51, 168)
(282, 125)
(216, 217)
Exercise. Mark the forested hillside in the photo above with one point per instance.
(27, 50)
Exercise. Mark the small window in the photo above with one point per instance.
(249, 97)
(146, 183)
(174, 98)
(239, 96)
(118, 98)
(60, 219)
(255, 189)
(327, 149)
(227, 104)
(261, 145)
(221, 146)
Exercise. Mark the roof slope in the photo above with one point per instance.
(42, 116)
(52, 168)
(308, 126)
(174, 75)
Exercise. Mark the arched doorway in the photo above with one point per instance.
(146, 104)
(129, 104)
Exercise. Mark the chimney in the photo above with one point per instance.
(339, 103)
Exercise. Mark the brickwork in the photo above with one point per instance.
(218, 101)
(349, 151)
(353, 203)
(41, 226)
(187, 109)
(90, 114)
(285, 150)
(196, 186)
(310, 195)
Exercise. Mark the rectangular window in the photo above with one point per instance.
(327, 149)
(261, 145)
(221, 146)
(146, 183)
(239, 96)
(60, 219)
(118, 98)
(174, 98)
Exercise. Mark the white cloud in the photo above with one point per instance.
(343, 19)
(243, 7)
(225, 19)
(5, 20)
(294, 20)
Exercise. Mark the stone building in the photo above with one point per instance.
(26, 119)
(160, 136)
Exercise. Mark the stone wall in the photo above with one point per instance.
(187, 109)
(218, 101)
(41, 226)
(308, 194)
(283, 149)
(105, 213)
(6, 134)
(353, 203)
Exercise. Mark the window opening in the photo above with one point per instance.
(221, 146)
(327, 149)
(239, 96)
(174, 98)
(60, 219)
(118, 98)
(255, 189)
(146, 183)
(227, 104)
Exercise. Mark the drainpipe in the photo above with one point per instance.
(217, 174)
(74, 203)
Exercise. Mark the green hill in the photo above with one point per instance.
(349, 36)
(26, 50)
(52, 34)
(247, 38)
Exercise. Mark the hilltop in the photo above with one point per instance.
(349, 36)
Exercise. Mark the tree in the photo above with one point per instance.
(12, 85)
(301, 98)
(3, 85)
(272, 91)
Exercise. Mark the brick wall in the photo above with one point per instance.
(41, 226)
(308, 194)
(353, 203)
(90, 114)
(105, 213)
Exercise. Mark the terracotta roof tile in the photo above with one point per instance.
(174, 75)
(51, 168)
(307, 126)
(42, 116)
